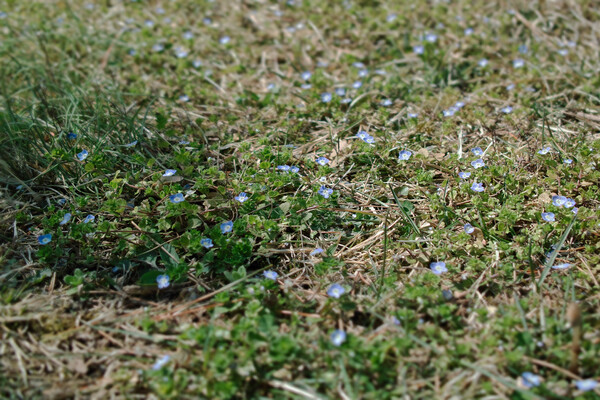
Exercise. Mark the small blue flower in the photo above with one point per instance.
(44, 239)
(89, 218)
(180, 52)
(163, 281)
(548, 216)
(272, 275)
(412, 115)
(478, 163)
(563, 52)
(61, 202)
(358, 64)
(530, 380)
(346, 100)
(363, 73)
(586, 385)
(131, 144)
(316, 251)
(431, 37)
(177, 198)
(83, 155)
(569, 202)
(183, 141)
(523, 49)
(559, 201)
(325, 191)
(438, 268)
(561, 266)
(338, 337)
(326, 97)
(386, 102)
(469, 31)
(483, 62)
(506, 110)
(242, 197)
(510, 86)
(197, 63)
(518, 63)
(418, 49)
(469, 228)
(184, 98)
(71, 136)
(306, 86)
(161, 362)
(206, 21)
(224, 40)
(568, 161)
(357, 85)
(477, 151)
(336, 291)
(340, 91)
(188, 35)
(207, 243)
(322, 161)
(306, 75)
(170, 172)
(545, 150)
(391, 17)
(284, 168)
(459, 104)
(158, 47)
(404, 155)
(66, 219)
(226, 227)
(464, 175)
(449, 112)
(294, 170)
(477, 187)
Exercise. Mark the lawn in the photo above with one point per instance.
(299, 199)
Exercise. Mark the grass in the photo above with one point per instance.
(82, 316)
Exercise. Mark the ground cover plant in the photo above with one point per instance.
(303, 199)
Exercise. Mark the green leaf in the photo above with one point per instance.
(149, 278)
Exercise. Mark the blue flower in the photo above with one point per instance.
(284, 168)
(224, 40)
(325, 191)
(545, 150)
(326, 97)
(242, 197)
(569, 202)
(180, 52)
(575, 210)
(438, 268)
(44, 239)
(357, 85)
(306, 75)
(477, 187)
(478, 163)
(530, 380)
(61, 202)
(386, 102)
(226, 227)
(548, 216)
(71, 136)
(316, 251)
(510, 86)
(431, 37)
(183, 141)
(197, 63)
(294, 170)
(83, 155)
(507, 109)
(338, 337)
(391, 17)
(170, 172)
(404, 155)
(468, 31)
(89, 218)
(305, 86)
(523, 49)
(365, 137)
(483, 62)
(418, 49)
(177, 198)
(559, 201)
(518, 63)
(322, 161)
(586, 385)
(464, 175)
(568, 161)
(66, 218)
(184, 98)
(131, 144)
(161, 362)
(340, 91)
(358, 64)
(449, 112)
(412, 115)
(561, 266)
(158, 47)
(469, 228)
(162, 281)
(477, 151)
(188, 35)
(336, 291)
(207, 243)
(363, 73)
(272, 275)
(563, 52)
(459, 104)
(206, 21)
